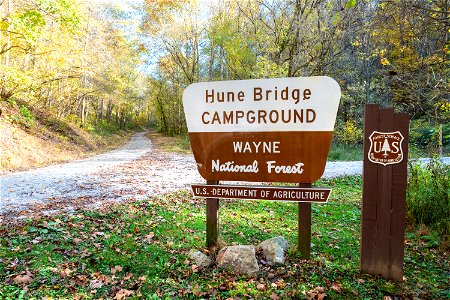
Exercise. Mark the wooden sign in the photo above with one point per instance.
(248, 192)
(262, 130)
(384, 191)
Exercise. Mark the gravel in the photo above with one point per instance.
(134, 171)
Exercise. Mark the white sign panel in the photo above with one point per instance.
(262, 105)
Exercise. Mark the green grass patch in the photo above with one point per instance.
(345, 152)
(139, 250)
(176, 144)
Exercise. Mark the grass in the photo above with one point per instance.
(176, 144)
(345, 152)
(140, 249)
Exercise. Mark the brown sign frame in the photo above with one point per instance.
(262, 130)
(383, 215)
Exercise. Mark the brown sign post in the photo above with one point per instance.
(384, 191)
(262, 130)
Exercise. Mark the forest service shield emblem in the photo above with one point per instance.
(386, 148)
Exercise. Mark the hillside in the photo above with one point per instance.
(31, 137)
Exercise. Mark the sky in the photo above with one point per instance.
(122, 4)
(132, 26)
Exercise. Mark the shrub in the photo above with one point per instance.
(423, 134)
(25, 119)
(427, 198)
(26, 114)
(348, 133)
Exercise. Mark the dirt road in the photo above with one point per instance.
(137, 170)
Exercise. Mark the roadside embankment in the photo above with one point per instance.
(31, 138)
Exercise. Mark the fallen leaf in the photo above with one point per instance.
(128, 277)
(260, 286)
(280, 283)
(95, 284)
(274, 296)
(116, 269)
(65, 273)
(122, 294)
(149, 237)
(23, 279)
(194, 268)
(335, 286)
(321, 296)
(197, 292)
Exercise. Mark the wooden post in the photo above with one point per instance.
(212, 218)
(384, 191)
(304, 226)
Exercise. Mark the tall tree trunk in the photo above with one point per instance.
(9, 7)
(83, 65)
(83, 107)
(100, 109)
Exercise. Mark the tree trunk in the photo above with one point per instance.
(83, 107)
(100, 109)
(9, 7)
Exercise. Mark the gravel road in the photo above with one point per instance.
(135, 171)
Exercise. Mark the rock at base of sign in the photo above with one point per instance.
(274, 250)
(240, 259)
(200, 259)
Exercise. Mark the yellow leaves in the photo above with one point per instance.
(385, 62)
(446, 48)
(355, 43)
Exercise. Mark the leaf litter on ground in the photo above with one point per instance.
(139, 249)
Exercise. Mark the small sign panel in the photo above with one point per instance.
(386, 148)
(262, 130)
(293, 194)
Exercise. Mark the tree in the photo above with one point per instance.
(386, 148)
(69, 58)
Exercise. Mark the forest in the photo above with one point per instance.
(95, 64)
(71, 59)
(393, 53)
